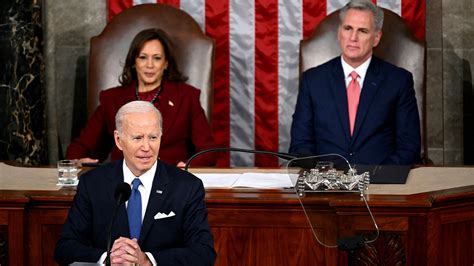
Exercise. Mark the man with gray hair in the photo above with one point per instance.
(165, 220)
(356, 104)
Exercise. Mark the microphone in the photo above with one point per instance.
(121, 194)
(282, 155)
(350, 245)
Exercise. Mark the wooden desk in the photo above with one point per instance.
(269, 227)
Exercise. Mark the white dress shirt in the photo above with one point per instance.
(360, 70)
(144, 188)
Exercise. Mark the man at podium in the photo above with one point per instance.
(165, 220)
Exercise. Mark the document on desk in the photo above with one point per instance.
(28, 178)
(217, 180)
(249, 180)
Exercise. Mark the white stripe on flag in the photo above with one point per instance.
(333, 5)
(394, 5)
(196, 9)
(139, 2)
(242, 71)
(289, 35)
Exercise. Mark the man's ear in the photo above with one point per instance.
(117, 140)
(378, 36)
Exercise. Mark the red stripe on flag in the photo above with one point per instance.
(413, 12)
(217, 27)
(313, 13)
(116, 6)
(174, 3)
(266, 80)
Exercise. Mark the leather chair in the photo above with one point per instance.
(397, 46)
(194, 51)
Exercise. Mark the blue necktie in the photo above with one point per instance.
(134, 210)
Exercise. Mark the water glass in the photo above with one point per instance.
(67, 172)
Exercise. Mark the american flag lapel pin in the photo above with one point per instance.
(170, 103)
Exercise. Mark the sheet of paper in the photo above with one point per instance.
(28, 178)
(264, 180)
(249, 180)
(217, 180)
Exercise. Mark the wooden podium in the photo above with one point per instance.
(425, 222)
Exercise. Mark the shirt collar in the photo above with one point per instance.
(361, 70)
(146, 178)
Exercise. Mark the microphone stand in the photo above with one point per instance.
(282, 155)
(121, 198)
(109, 231)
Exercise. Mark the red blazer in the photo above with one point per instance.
(185, 128)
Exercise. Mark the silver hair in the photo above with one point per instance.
(364, 5)
(140, 107)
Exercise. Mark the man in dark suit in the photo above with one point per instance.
(165, 220)
(358, 105)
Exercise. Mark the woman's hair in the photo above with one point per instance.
(129, 73)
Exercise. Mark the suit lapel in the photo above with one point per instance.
(158, 195)
(369, 90)
(340, 95)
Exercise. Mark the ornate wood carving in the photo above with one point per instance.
(389, 249)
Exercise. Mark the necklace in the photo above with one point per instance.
(154, 97)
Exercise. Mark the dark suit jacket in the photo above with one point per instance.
(184, 239)
(185, 127)
(387, 126)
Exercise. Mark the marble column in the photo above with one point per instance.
(22, 94)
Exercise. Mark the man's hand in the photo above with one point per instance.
(126, 250)
(88, 160)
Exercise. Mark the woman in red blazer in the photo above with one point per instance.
(150, 74)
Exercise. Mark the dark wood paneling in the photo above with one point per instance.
(3, 243)
(50, 235)
(16, 237)
(12, 223)
(266, 246)
(44, 228)
(456, 244)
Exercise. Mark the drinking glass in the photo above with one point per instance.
(67, 172)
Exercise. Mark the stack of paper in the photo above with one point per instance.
(250, 180)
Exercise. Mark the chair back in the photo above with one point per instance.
(194, 51)
(398, 46)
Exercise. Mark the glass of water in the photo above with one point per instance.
(67, 172)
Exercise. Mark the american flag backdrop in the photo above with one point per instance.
(256, 64)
